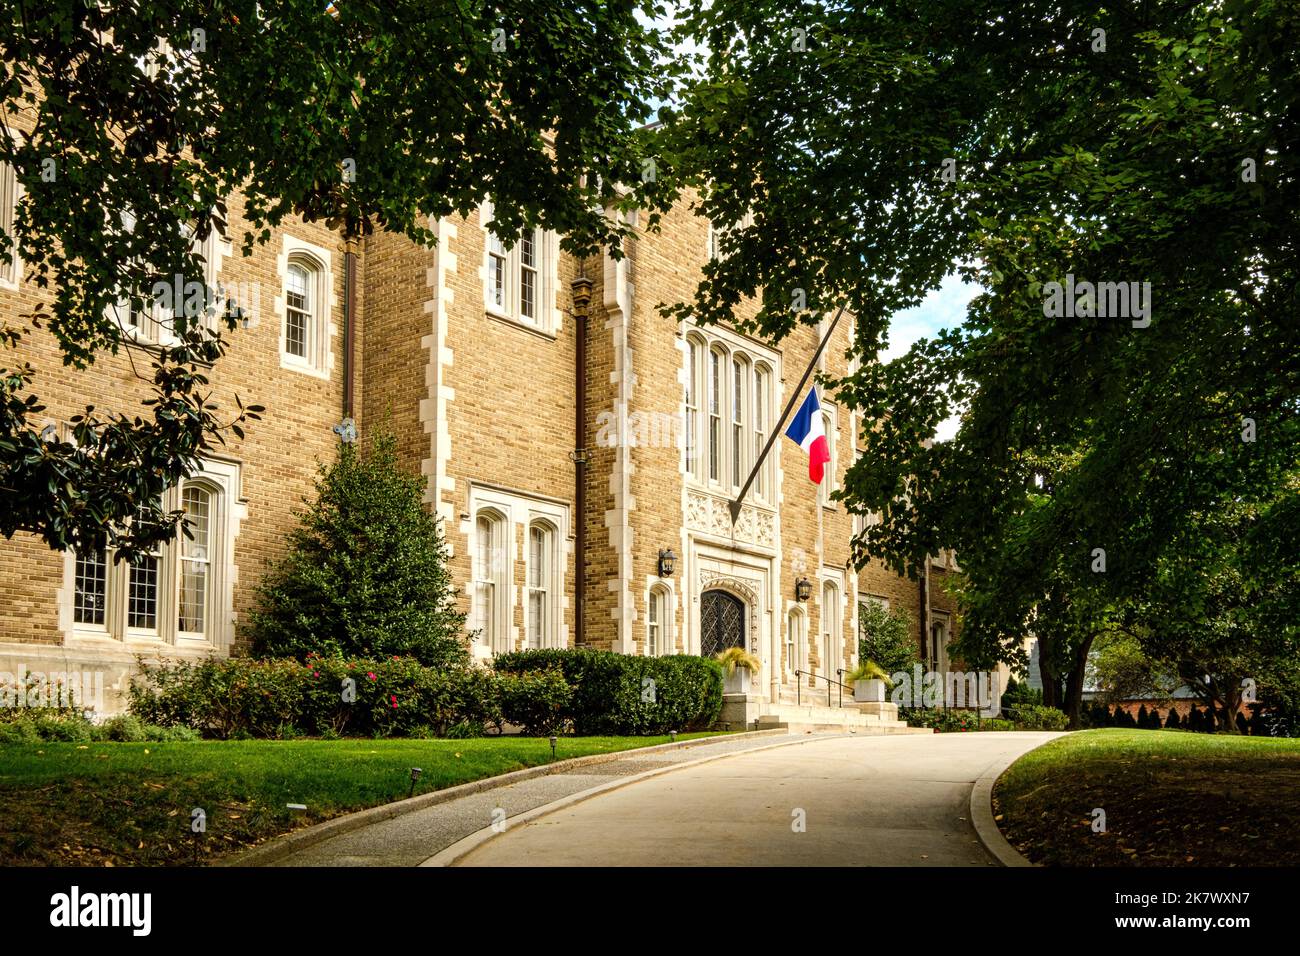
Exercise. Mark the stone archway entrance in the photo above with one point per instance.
(722, 622)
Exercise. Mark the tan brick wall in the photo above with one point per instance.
(278, 456)
(485, 402)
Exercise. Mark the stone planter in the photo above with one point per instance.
(869, 691)
(738, 682)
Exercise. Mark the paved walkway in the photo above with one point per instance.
(412, 838)
(864, 801)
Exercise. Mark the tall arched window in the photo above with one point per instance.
(739, 399)
(830, 626)
(692, 406)
(762, 395)
(794, 641)
(541, 601)
(196, 561)
(715, 415)
(659, 639)
(489, 590)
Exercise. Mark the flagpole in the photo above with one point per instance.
(734, 506)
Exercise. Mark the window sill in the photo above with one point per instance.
(521, 324)
(303, 367)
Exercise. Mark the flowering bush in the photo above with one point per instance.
(322, 696)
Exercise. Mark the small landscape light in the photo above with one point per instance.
(415, 775)
(553, 746)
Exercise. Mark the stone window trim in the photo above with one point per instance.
(155, 329)
(661, 588)
(543, 582)
(702, 350)
(514, 271)
(11, 194)
(796, 638)
(517, 511)
(490, 594)
(831, 583)
(318, 263)
(221, 480)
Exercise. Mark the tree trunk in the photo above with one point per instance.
(1051, 686)
(1074, 684)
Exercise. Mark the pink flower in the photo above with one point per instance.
(371, 675)
(315, 673)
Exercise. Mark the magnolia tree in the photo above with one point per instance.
(129, 124)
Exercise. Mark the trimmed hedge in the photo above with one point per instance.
(327, 697)
(1038, 717)
(612, 694)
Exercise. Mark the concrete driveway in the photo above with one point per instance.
(843, 801)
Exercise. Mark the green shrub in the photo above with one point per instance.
(366, 570)
(886, 637)
(948, 721)
(1035, 717)
(240, 698)
(1019, 692)
(19, 732)
(126, 728)
(536, 700)
(617, 694)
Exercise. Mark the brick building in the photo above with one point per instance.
(564, 452)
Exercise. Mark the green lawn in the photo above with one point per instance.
(1171, 799)
(130, 804)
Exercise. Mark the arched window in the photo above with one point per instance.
(488, 568)
(739, 392)
(828, 477)
(794, 640)
(658, 622)
(304, 337)
(715, 415)
(692, 406)
(180, 591)
(541, 600)
(10, 194)
(196, 561)
(299, 317)
(830, 626)
(762, 396)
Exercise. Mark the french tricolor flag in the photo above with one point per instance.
(806, 431)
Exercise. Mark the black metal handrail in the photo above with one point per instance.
(798, 686)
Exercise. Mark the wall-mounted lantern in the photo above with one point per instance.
(802, 590)
(667, 563)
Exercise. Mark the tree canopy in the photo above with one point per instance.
(138, 119)
(1121, 182)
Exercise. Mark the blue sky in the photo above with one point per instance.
(945, 308)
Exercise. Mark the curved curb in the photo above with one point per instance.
(981, 811)
(286, 844)
(450, 856)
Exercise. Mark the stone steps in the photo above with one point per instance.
(861, 718)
